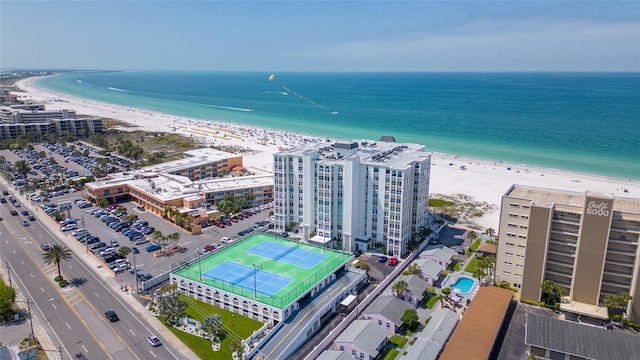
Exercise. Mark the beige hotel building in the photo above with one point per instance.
(585, 242)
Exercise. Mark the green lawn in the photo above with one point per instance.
(432, 302)
(242, 326)
(391, 354)
(475, 245)
(400, 341)
(472, 266)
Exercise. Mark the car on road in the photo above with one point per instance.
(13, 212)
(45, 247)
(25, 213)
(383, 259)
(111, 315)
(32, 218)
(25, 223)
(154, 341)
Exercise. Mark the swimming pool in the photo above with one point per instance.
(464, 284)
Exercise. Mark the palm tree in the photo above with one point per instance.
(413, 269)
(364, 266)
(23, 168)
(121, 208)
(55, 254)
(158, 237)
(490, 232)
(173, 237)
(213, 325)
(400, 287)
(124, 251)
(103, 203)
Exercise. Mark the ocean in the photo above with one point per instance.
(578, 122)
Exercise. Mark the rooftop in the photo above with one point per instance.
(479, 327)
(548, 197)
(429, 267)
(439, 251)
(389, 306)
(192, 158)
(366, 334)
(388, 154)
(580, 340)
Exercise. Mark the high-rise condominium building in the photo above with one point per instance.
(586, 243)
(359, 194)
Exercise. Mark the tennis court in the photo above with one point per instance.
(288, 253)
(284, 269)
(263, 282)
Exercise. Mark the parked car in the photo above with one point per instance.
(392, 261)
(383, 259)
(135, 250)
(68, 227)
(153, 247)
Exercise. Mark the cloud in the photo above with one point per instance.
(483, 46)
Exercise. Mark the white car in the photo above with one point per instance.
(68, 227)
(154, 341)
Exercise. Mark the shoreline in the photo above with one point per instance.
(483, 180)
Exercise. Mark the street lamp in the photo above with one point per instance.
(255, 283)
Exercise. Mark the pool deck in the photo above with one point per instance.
(453, 277)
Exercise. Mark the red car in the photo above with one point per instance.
(13, 212)
(234, 220)
(209, 247)
(392, 261)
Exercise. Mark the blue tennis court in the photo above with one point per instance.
(289, 254)
(263, 282)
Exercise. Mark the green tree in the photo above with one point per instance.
(23, 168)
(400, 287)
(410, 317)
(171, 307)
(618, 302)
(103, 203)
(225, 206)
(55, 254)
(7, 301)
(174, 237)
(553, 291)
(124, 251)
(412, 269)
(212, 324)
(490, 232)
(158, 237)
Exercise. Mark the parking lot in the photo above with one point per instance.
(145, 260)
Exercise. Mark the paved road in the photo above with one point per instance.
(76, 316)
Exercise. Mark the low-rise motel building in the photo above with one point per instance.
(191, 185)
(586, 243)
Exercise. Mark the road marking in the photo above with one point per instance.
(42, 289)
(96, 294)
(14, 251)
(54, 306)
(70, 267)
(154, 355)
(31, 275)
(85, 349)
(69, 326)
(22, 262)
(134, 334)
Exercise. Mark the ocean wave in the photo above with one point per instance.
(232, 108)
(116, 89)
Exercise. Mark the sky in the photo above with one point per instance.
(363, 36)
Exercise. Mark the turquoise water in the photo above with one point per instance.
(587, 122)
(464, 284)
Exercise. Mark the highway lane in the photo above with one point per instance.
(63, 325)
(90, 298)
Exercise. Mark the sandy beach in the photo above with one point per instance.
(485, 181)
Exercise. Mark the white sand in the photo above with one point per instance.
(485, 181)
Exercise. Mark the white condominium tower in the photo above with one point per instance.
(354, 195)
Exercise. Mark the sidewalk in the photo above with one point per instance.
(107, 275)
